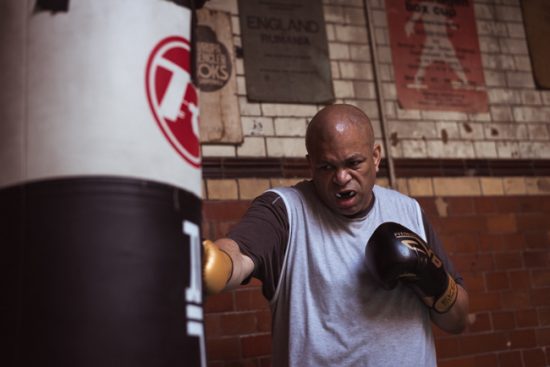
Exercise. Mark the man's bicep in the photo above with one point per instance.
(262, 235)
(243, 266)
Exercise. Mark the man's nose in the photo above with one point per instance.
(341, 176)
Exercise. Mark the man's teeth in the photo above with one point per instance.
(345, 194)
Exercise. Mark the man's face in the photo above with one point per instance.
(344, 164)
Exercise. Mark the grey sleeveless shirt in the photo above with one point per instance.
(327, 311)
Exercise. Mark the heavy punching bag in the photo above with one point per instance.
(100, 185)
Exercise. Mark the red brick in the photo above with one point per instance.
(522, 339)
(460, 206)
(527, 318)
(533, 221)
(438, 333)
(207, 229)
(520, 279)
(503, 320)
(246, 299)
(457, 362)
(223, 228)
(508, 204)
(485, 205)
(474, 282)
(490, 242)
(484, 302)
(473, 262)
(511, 242)
(219, 303)
(488, 360)
(515, 299)
(539, 239)
(428, 206)
(510, 260)
(265, 362)
(501, 223)
(499, 244)
(536, 259)
(510, 359)
(212, 327)
(224, 210)
(497, 280)
(264, 320)
(453, 225)
(254, 284)
(543, 337)
(238, 323)
(256, 345)
(531, 204)
(540, 278)
(540, 297)
(482, 323)
(223, 348)
(482, 343)
(544, 315)
(460, 242)
(447, 347)
(243, 362)
(534, 357)
(502, 242)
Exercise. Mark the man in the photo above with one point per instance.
(307, 245)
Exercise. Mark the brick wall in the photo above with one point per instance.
(500, 244)
(496, 228)
(517, 124)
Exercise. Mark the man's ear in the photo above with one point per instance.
(377, 155)
(310, 164)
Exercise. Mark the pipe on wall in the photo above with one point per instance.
(380, 96)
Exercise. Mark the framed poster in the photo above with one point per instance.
(536, 16)
(285, 51)
(220, 118)
(436, 57)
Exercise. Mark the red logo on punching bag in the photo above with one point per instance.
(172, 96)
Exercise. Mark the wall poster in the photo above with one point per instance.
(536, 16)
(220, 119)
(285, 51)
(436, 56)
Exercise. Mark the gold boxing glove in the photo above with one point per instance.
(217, 268)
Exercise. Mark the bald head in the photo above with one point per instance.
(343, 158)
(334, 120)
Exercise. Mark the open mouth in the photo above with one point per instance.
(343, 195)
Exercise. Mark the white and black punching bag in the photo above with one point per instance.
(100, 185)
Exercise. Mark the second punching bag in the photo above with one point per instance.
(100, 185)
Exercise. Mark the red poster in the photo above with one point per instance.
(436, 58)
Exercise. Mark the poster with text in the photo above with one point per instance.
(436, 57)
(285, 51)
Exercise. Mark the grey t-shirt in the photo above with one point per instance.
(326, 308)
(262, 234)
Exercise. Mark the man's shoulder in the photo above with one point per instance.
(301, 187)
(384, 193)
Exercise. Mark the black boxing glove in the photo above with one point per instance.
(395, 253)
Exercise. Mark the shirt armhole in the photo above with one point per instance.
(262, 235)
(435, 243)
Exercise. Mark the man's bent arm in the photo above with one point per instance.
(243, 266)
(455, 320)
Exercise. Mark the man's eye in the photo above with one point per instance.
(325, 167)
